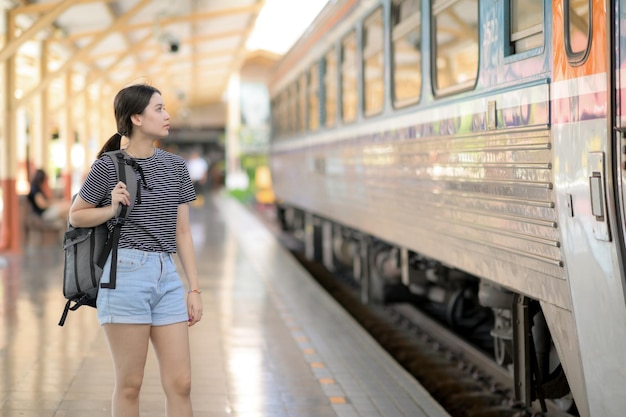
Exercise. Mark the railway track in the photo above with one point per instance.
(461, 377)
(464, 379)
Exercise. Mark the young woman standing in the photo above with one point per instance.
(148, 303)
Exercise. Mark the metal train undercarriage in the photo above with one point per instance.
(509, 326)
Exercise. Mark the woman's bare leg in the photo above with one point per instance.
(129, 348)
(171, 345)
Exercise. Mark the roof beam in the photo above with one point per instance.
(146, 65)
(40, 24)
(212, 37)
(105, 73)
(204, 55)
(240, 53)
(125, 35)
(179, 19)
(46, 7)
(78, 56)
(187, 41)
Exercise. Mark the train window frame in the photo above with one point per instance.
(314, 97)
(303, 102)
(283, 122)
(292, 103)
(513, 39)
(401, 30)
(355, 85)
(276, 116)
(440, 92)
(296, 126)
(276, 134)
(576, 58)
(369, 51)
(331, 78)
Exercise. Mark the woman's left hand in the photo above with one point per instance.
(194, 307)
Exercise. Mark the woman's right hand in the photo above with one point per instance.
(119, 195)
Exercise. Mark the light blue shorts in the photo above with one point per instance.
(148, 290)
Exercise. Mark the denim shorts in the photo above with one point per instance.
(148, 290)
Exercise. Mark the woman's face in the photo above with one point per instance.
(154, 121)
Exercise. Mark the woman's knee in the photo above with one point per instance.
(130, 386)
(180, 385)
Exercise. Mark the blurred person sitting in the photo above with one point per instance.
(43, 204)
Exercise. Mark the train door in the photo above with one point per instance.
(617, 117)
(618, 22)
(616, 32)
(589, 206)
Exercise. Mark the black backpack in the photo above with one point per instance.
(87, 248)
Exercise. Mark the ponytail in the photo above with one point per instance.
(113, 144)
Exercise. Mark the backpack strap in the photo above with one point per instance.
(126, 168)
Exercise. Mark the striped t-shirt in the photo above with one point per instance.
(151, 226)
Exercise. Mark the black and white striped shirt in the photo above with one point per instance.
(151, 226)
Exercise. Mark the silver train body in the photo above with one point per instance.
(515, 178)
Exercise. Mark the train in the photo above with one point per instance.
(472, 153)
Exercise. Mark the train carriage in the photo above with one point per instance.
(459, 147)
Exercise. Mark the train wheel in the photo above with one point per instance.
(461, 308)
(501, 351)
(556, 387)
(377, 282)
(502, 339)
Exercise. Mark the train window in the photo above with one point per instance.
(373, 63)
(275, 132)
(279, 115)
(455, 45)
(286, 111)
(330, 89)
(282, 113)
(302, 103)
(314, 101)
(349, 90)
(407, 54)
(526, 25)
(577, 30)
(293, 108)
(276, 117)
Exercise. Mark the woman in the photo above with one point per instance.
(43, 204)
(148, 304)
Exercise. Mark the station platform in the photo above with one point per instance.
(272, 342)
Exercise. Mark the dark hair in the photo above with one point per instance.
(39, 177)
(128, 102)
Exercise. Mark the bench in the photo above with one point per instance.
(34, 229)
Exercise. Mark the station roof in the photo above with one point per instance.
(188, 48)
